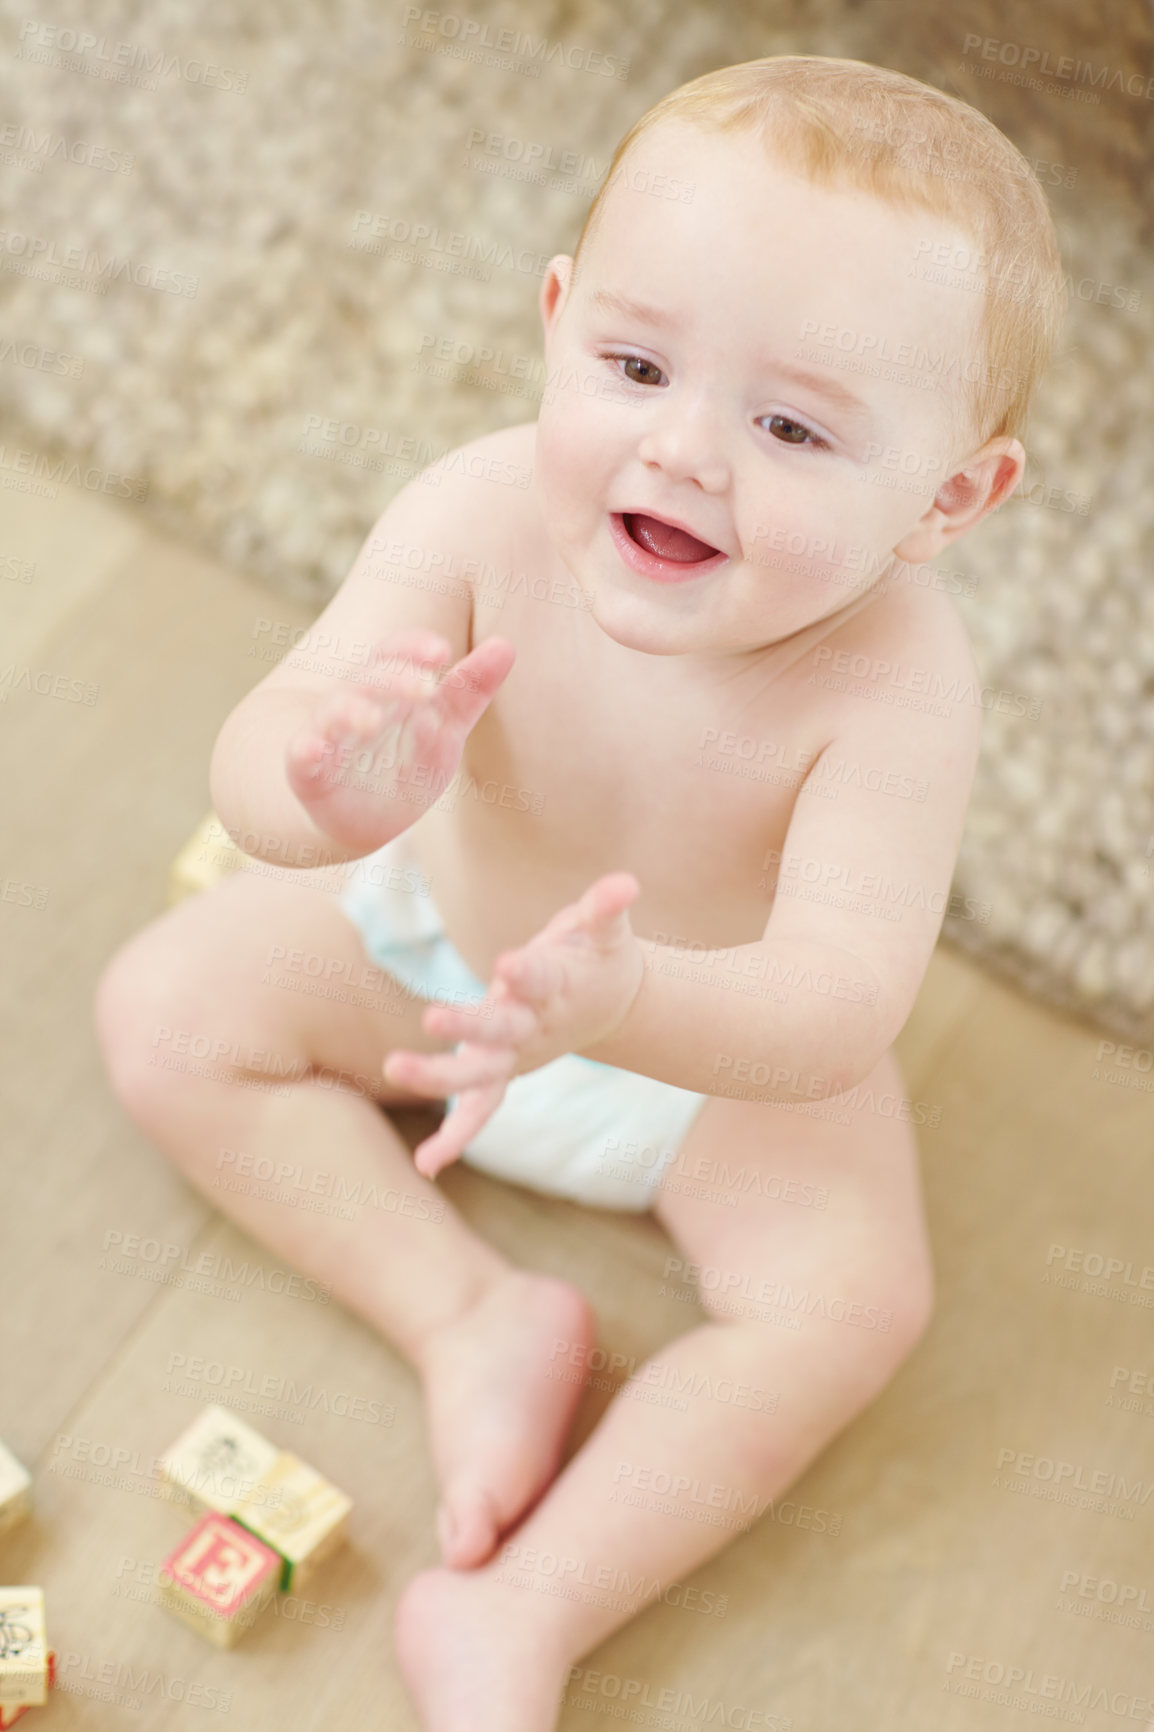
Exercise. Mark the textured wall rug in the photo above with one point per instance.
(258, 268)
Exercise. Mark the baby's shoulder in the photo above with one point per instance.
(494, 457)
(899, 660)
(912, 620)
(485, 482)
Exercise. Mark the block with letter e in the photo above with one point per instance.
(220, 1463)
(218, 1578)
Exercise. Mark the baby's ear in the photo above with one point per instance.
(971, 493)
(555, 290)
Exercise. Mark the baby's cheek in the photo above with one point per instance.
(564, 472)
(554, 423)
(800, 549)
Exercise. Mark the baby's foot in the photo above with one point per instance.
(471, 1659)
(501, 1397)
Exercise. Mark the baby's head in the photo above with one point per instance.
(804, 320)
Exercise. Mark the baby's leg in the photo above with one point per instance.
(611, 1517)
(292, 1081)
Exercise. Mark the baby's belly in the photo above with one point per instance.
(497, 882)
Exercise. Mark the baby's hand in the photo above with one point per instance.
(569, 987)
(398, 732)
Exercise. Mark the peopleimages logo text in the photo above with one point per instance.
(1026, 58)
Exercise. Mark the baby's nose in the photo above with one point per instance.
(688, 445)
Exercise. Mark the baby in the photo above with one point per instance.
(623, 782)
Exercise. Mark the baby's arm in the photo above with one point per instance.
(284, 775)
(831, 982)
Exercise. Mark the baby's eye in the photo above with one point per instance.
(792, 432)
(636, 361)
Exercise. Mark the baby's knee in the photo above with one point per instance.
(141, 1008)
(868, 1324)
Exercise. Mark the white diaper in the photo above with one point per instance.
(572, 1128)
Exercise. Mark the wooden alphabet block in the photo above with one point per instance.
(218, 1463)
(299, 1513)
(23, 1648)
(218, 1578)
(15, 1485)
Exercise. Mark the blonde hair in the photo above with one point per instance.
(848, 123)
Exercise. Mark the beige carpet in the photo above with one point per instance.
(189, 318)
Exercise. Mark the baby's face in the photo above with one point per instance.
(685, 381)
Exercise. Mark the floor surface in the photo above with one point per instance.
(993, 1509)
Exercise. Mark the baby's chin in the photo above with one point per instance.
(627, 620)
(649, 624)
(639, 635)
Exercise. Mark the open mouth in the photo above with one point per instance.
(660, 550)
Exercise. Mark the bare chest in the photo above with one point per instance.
(573, 772)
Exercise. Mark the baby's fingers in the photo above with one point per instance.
(531, 974)
(468, 687)
(349, 718)
(473, 1108)
(596, 913)
(442, 1074)
(508, 1024)
(405, 665)
(343, 720)
(606, 900)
